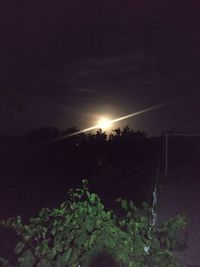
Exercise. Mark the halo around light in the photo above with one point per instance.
(107, 123)
(104, 123)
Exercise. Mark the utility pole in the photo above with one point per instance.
(166, 136)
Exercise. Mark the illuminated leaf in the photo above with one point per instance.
(19, 247)
(90, 224)
(67, 255)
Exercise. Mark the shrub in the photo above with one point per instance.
(81, 227)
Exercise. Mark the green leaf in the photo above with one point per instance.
(90, 224)
(67, 255)
(44, 263)
(27, 259)
(85, 182)
(134, 264)
(93, 198)
(92, 240)
(19, 247)
(82, 238)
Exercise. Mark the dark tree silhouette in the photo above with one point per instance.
(41, 135)
(70, 130)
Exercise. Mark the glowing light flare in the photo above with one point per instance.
(107, 123)
(104, 123)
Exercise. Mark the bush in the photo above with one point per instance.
(81, 227)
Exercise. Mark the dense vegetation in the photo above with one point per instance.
(81, 226)
(36, 173)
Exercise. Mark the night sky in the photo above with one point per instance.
(67, 62)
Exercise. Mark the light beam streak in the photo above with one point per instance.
(115, 120)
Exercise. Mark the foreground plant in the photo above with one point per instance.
(70, 234)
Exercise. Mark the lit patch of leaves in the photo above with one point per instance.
(67, 235)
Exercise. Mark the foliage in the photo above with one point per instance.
(81, 226)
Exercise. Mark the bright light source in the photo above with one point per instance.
(104, 124)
